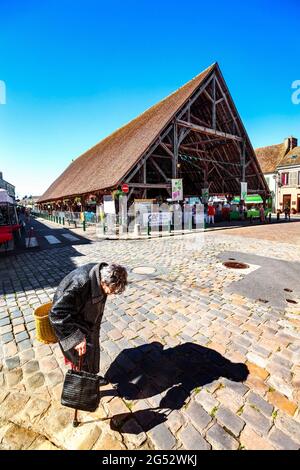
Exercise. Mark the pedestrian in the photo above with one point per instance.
(287, 212)
(262, 213)
(278, 214)
(77, 311)
(241, 211)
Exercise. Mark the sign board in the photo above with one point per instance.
(243, 190)
(194, 200)
(177, 189)
(157, 218)
(109, 205)
(144, 200)
(125, 188)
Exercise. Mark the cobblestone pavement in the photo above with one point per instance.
(190, 365)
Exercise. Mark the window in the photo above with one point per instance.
(293, 178)
(284, 179)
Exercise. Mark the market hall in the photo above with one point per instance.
(194, 135)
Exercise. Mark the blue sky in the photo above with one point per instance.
(75, 70)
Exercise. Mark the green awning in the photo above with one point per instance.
(253, 199)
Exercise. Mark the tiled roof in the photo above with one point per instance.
(270, 157)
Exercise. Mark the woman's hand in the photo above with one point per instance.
(81, 348)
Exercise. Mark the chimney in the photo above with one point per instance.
(290, 143)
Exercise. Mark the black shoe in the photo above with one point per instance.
(102, 380)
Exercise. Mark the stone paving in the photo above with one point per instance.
(190, 365)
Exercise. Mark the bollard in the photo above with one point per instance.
(63, 221)
(148, 228)
(83, 225)
(75, 223)
(59, 220)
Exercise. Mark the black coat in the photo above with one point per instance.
(77, 311)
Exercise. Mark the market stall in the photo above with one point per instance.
(252, 204)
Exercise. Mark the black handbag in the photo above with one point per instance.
(81, 390)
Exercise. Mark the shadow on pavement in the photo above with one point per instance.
(169, 375)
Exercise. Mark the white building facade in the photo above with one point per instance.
(281, 168)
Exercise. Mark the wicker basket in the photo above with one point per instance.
(44, 331)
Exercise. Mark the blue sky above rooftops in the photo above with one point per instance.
(75, 70)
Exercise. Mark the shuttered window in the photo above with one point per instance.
(293, 179)
(285, 179)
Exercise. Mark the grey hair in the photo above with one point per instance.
(114, 276)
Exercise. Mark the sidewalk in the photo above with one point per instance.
(92, 234)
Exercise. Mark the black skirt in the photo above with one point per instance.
(91, 359)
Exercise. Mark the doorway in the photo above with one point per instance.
(286, 201)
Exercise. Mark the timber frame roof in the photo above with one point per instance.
(195, 133)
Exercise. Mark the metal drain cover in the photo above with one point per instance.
(143, 270)
(235, 265)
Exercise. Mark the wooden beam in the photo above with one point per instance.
(200, 121)
(196, 95)
(228, 105)
(243, 161)
(166, 149)
(182, 134)
(145, 172)
(214, 119)
(175, 151)
(208, 95)
(159, 170)
(130, 193)
(135, 168)
(208, 131)
(209, 160)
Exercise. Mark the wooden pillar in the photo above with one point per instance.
(175, 151)
(214, 121)
(243, 161)
(145, 178)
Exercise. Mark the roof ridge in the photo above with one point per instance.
(268, 146)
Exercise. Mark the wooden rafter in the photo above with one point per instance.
(209, 131)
